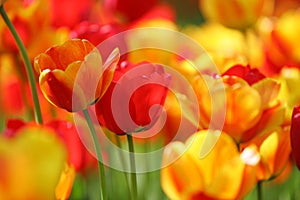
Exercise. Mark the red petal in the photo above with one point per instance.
(12, 126)
(295, 135)
(250, 75)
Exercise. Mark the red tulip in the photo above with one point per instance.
(295, 135)
(130, 9)
(102, 35)
(95, 33)
(22, 27)
(131, 101)
(69, 12)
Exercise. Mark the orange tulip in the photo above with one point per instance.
(252, 107)
(72, 76)
(223, 174)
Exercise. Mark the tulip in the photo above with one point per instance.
(234, 14)
(95, 33)
(252, 106)
(275, 152)
(227, 46)
(72, 76)
(145, 33)
(69, 13)
(78, 157)
(222, 174)
(134, 99)
(31, 164)
(130, 9)
(103, 36)
(289, 78)
(280, 36)
(295, 135)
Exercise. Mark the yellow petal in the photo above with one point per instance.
(243, 109)
(64, 187)
(268, 90)
(181, 178)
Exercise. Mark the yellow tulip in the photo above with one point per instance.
(31, 164)
(223, 174)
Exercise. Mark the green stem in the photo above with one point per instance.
(122, 159)
(148, 174)
(132, 166)
(98, 153)
(29, 70)
(259, 190)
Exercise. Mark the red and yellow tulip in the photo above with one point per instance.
(68, 74)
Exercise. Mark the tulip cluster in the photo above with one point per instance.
(154, 99)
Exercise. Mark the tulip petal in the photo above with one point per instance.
(250, 75)
(42, 62)
(64, 187)
(58, 88)
(295, 135)
(71, 51)
(275, 146)
(181, 178)
(268, 90)
(243, 108)
(108, 71)
(270, 118)
(225, 149)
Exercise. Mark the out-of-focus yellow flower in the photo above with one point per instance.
(31, 164)
(72, 76)
(287, 31)
(235, 14)
(290, 80)
(223, 174)
(251, 109)
(142, 38)
(280, 38)
(226, 46)
(64, 187)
